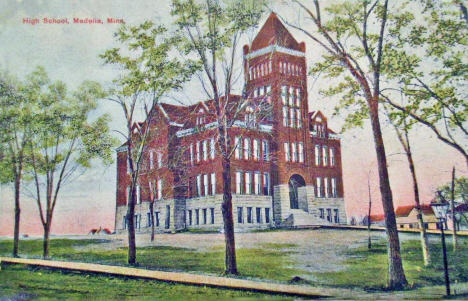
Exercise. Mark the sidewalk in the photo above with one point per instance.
(186, 278)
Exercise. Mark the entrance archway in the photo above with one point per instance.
(295, 182)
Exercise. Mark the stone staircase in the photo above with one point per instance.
(300, 218)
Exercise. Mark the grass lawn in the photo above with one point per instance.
(26, 283)
(366, 268)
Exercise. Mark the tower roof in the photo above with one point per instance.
(274, 32)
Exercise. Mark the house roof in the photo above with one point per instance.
(462, 208)
(402, 211)
(273, 32)
(377, 218)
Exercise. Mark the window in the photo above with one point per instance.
(160, 164)
(249, 215)
(317, 155)
(325, 187)
(156, 218)
(336, 216)
(159, 185)
(329, 215)
(212, 148)
(205, 184)
(287, 152)
(333, 188)
(257, 183)
(247, 150)
(298, 118)
(298, 97)
(151, 161)
(266, 184)
(168, 216)
(294, 151)
(137, 220)
(149, 220)
(322, 213)
(291, 96)
(265, 150)
(191, 153)
(239, 183)
(212, 215)
(198, 186)
(332, 156)
(238, 142)
(285, 116)
(205, 150)
(204, 216)
(301, 152)
(197, 216)
(213, 183)
(284, 94)
(319, 187)
(198, 151)
(248, 183)
(250, 119)
(129, 171)
(325, 155)
(292, 117)
(138, 195)
(240, 218)
(190, 217)
(258, 215)
(267, 215)
(256, 149)
(127, 196)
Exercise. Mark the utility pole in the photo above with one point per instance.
(452, 204)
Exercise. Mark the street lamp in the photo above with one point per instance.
(440, 211)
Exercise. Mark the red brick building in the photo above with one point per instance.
(286, 163)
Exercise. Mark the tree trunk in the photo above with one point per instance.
(230, 256)
(397, 279)
(17, 214)
(369, 241)
(424, 239)
(131, 228)
(452, 201)
(151, 208)
(45, 243)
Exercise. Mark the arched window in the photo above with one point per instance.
(250, 118)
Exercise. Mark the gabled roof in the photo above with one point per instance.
(462, 208)
(406, 210)
(377, 218)
(273, 32)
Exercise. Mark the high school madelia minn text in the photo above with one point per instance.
(34, 21)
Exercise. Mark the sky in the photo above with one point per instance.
(70, 53)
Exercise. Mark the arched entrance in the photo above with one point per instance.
(295, 182)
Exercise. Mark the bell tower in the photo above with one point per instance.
(276, 71)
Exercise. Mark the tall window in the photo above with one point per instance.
(285, 116)
(240, 218)
(258, 215)
(204, 216)
(205, 184)
(159, 185)
(190, 217)
(205, 150)
(317, 155)
(212, 215)
(294, 151)
(249, 215)
(138, 195)
(267, 215)
(298, 118)
(127, 196)
(198, 151)
(247, 148)
(256, 149)
(325, 187)
(238, 142)
(329, 215)
(197, 216)
(322, 213)
(198, 185)
(292, 117)
(160, 164)
(319, 187)
(239, 183)
(325, 155)
(151, 160)
(212, 148)
(301, 152)
(250, 119)
(266, 184)
(213, 183)
(284, 94)
(191, 153)
(248, 183)
(332, 156)
(336, 216)
(298, 97)
(265, 150)
(333, 188)
(257, 183)
(287, 152)
(291, 96)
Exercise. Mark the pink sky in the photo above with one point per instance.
(70, 53)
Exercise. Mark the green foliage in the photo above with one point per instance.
(460, 191)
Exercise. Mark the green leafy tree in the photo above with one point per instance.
(460, 195)
(354, 36)
(64, 142)
(150, 73)
(212, 30)
(15, 129)
(429, 61)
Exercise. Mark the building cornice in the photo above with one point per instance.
(274, 48)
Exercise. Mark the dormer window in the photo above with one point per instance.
(201, 119)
